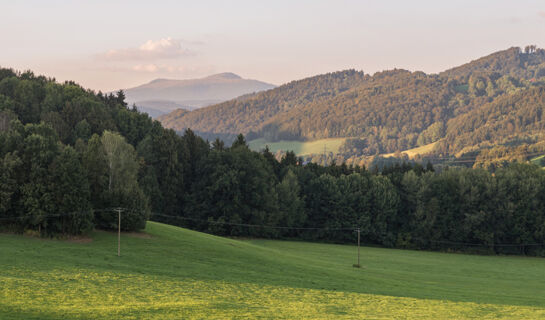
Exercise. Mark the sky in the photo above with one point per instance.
(111, 44)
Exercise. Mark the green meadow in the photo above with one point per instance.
(538, 161)
(169, 272)
(411, 153)
(300, 148)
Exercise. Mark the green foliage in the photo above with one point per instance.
(71, 191)
(508, 119)
(433, 133)
(290, 204)
(51, 188)
(9, 166)
(236, 186)
(123, 188)
(123, 159)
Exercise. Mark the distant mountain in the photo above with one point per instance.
(249, 112)
(386, 112)
(162, 96)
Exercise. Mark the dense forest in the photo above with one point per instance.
(392, 111)
(68, 156)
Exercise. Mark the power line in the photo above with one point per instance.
(155, 214)
(251, 225)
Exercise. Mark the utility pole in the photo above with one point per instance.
(358, 265)
(119, 232)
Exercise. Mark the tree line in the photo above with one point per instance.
(68, 155)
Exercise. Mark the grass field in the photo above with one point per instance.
(537, 160)
(413, 152)
(300, 148)
(170, 272)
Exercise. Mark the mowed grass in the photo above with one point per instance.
(177, 273)
(300, 148)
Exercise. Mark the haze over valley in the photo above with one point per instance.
(162, 96)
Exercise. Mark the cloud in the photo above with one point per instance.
(541, 14)
(159, 68)
(166, 48)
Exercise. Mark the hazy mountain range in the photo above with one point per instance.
(162, 96)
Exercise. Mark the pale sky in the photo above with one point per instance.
(111, 44)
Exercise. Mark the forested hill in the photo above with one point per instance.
(387, 112)
(526, 64)
(508, 120)
(69, 155)
(248, 113)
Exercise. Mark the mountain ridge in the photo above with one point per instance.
(191, 93)
(385, 112)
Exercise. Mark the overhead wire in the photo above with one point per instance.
(263, 226)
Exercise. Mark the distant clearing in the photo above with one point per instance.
(425, 149)
(300, 147)
(538, 161)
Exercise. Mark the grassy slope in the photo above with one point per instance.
(317, 147)
(425, 149)
(179, 273)
(537, 160)
(299, 147)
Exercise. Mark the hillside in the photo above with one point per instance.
(384, 113)
(508, 120)
(161, 96)
(526, 64)
(173, 272)
(249, 113)
(300, 148)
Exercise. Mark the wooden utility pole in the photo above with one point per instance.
(119, 232)
(358, 247)
(358, 264)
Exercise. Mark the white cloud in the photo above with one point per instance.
(167, 48)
